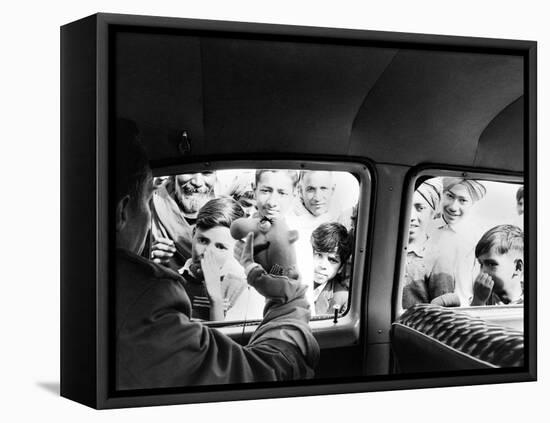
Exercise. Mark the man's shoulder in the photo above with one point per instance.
(142, 286)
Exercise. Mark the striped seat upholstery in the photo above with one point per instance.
(434, 338)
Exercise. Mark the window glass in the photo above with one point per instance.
(464, 245)
(303, 222)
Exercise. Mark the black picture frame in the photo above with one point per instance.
(86, 103)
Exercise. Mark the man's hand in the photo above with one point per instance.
(244, 251)
(163, 250)
(483, 286)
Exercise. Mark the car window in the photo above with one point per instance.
(463, 245)
(192, 212)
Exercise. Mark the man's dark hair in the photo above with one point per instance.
(332, 236)
(502, 238)
(131, 163)
(218, 212)
(519, 194)
(293, 175)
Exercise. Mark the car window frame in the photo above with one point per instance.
(347, 325)
(439, 171)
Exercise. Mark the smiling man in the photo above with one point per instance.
(459, 195)
(316, 190)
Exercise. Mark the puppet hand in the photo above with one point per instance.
(163, 250)
(212, 276)
(244, 251)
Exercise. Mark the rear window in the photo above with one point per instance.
(463, 242)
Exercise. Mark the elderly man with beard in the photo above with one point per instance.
(176, 204)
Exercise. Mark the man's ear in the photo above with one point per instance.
(519, 266)
(121, 217)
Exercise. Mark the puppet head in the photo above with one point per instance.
(273, 241)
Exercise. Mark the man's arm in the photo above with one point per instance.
(158, 345)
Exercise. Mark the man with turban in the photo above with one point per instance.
(454, 242)
(423, 284)
(459, 195)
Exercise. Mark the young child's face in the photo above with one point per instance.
(274, 194)
(316, 189)
(456, 203)
(218, 239)
(325, 266)
(506, 270)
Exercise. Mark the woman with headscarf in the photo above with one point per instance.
(422, 284)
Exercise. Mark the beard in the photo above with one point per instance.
(192, 199)
(192, 203)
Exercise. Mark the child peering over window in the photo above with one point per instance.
(500, 255)
(331, 250)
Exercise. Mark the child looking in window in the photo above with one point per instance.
(213, 280)
(500, 255)
(331, 250)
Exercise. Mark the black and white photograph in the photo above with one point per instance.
(305, 208)
(301, 212)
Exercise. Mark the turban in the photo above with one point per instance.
(475, 189)
(430, 190)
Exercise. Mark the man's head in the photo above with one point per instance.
(331, 250)
(500, 255)
(275, 192)
(316, 189)
(519, 200)
(426, 199)
(212, 230)
(133, 188)
(459, 195)
(193, 190)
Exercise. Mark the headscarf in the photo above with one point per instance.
(476, 189)
(430, 190)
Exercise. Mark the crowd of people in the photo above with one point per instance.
(191, 218)
(447, 263)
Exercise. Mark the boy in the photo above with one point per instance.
(500, 255)
(331, 250)
(213, 280)
(275, 192)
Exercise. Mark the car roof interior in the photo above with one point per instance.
(246, 95)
